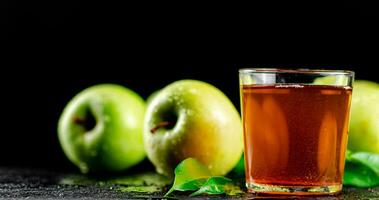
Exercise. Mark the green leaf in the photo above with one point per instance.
(218, 185)
(359, 175)
(190, 174)
(214, 185)
(190, 185)
(361, 169)
(370, 160)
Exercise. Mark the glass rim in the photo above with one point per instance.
(296, 71)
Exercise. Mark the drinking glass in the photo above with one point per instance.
(295, 126)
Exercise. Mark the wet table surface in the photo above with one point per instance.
(21, 183)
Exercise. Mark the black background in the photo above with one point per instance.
(54, 49)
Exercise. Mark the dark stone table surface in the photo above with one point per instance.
(18, 183)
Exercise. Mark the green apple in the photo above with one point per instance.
(101, 129)
(364, 122)
(190, 118)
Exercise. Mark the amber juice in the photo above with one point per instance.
(295, 135)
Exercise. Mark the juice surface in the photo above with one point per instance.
(295, 134)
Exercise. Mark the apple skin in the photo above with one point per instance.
(364, 122)
(203, 124)
(114, 142)
(151, 97)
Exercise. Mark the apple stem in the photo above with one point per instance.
(160, 125)
(79, 121)
(88, 124)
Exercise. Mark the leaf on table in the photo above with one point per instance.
(218, 185)
(361, 169)
(359, 175)
(190, 174)
(368, 159)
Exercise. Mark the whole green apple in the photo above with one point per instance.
(364, 122)
(101, 129)
(190, 118)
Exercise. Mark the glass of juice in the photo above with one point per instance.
(295, 126)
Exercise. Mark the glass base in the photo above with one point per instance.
(293, 190)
